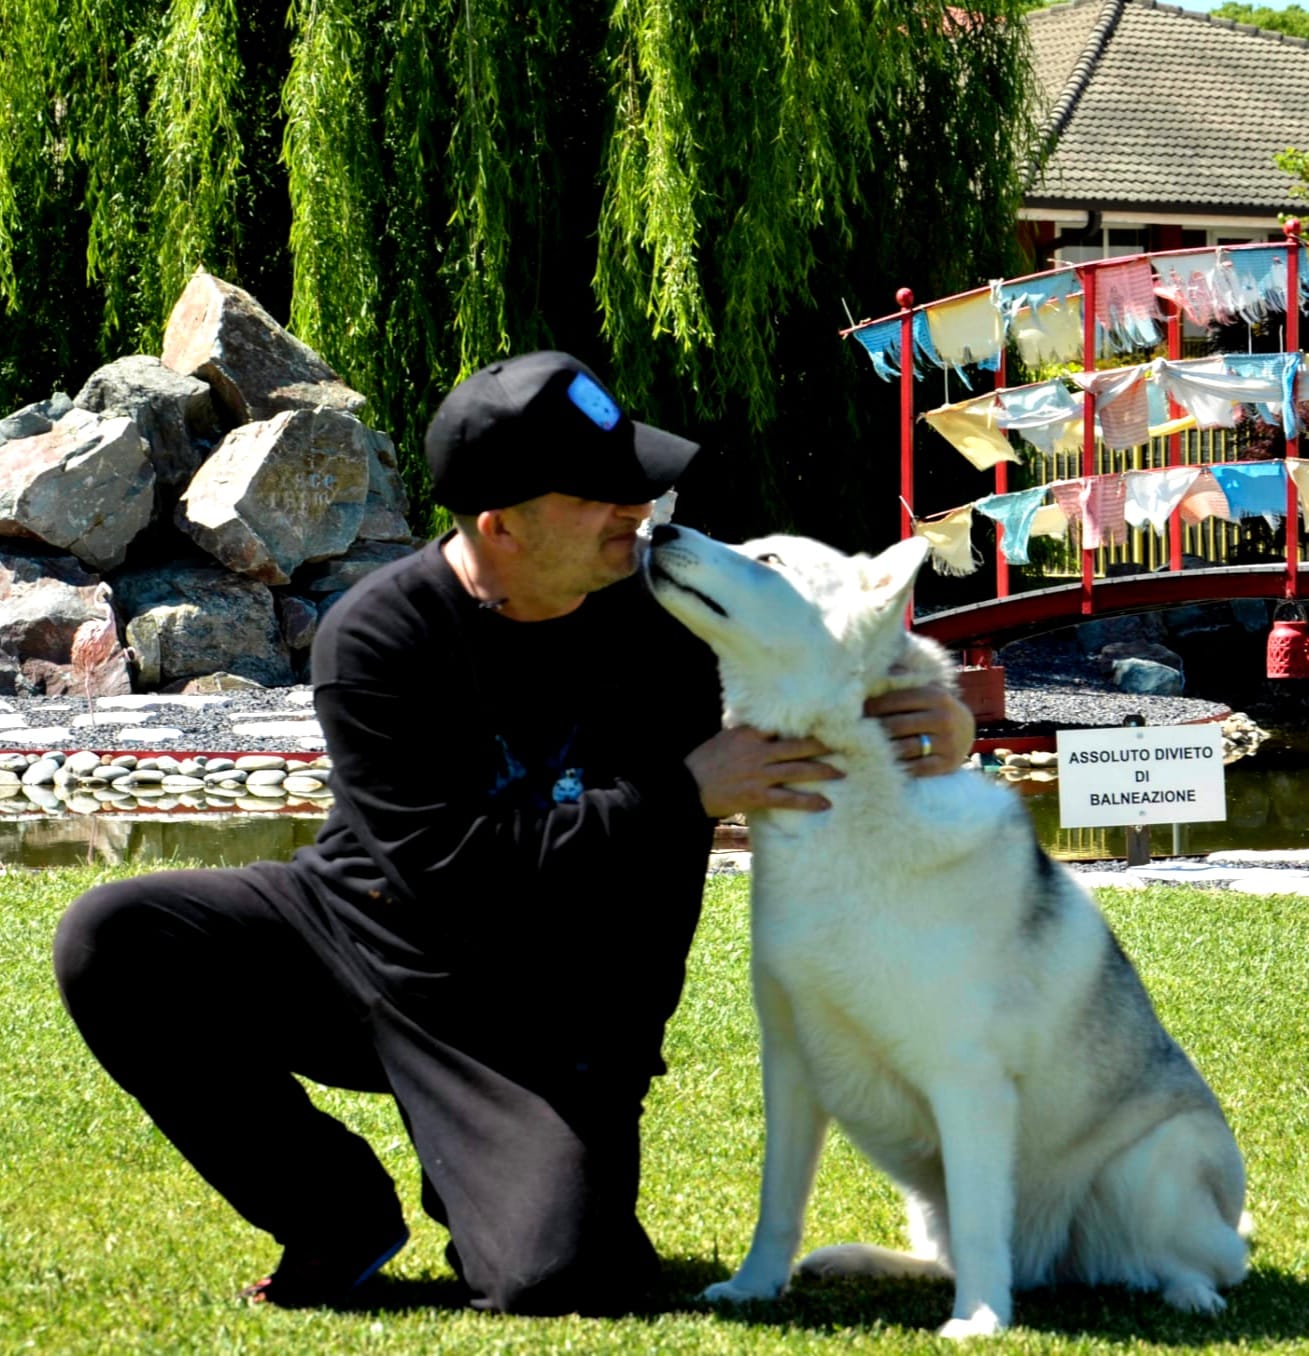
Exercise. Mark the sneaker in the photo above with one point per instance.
(310, 1280)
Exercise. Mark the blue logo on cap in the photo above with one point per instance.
(594, 401)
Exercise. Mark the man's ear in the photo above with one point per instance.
(494, 529)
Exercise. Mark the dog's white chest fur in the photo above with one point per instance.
(926, 976)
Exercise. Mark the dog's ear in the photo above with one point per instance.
(892, 573)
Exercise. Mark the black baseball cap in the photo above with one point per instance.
(543, 422)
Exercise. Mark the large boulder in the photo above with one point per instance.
(174, 413)
(1147, 677)
(194, 620)
(279, 493)
(86, 486)
(386, 509)
(44, 601)
(335, 576)
(221, 334)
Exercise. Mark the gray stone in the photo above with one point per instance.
(216, 765)
(217, 682)
(86, 486)
(44, 599)
(34, 419)
(277, 494)
(184, 622)
(221, 334)
(333, 577)
(174, 413)
(266, 791)
(1157, 654)
(301, 784)
(41, 773)
(265, 776)
(84, 762)
(299, 621)
(175, 781)
(386, 508)
(1145, 676)
(261, 762)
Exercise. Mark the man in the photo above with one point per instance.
(493, 922)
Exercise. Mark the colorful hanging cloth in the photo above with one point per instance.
(1188, 280)
(1047, 414)
(1203, 388)
(1254, 488)
(1030, 294)
(972, 427)
(1049, 334)
(1094, 506)
(1121, 404)
(1103, 501)
(967, 330)
(1205, 499)
(1153, 495)
(1125, 304)
(881, 340)
(950, 540)
(1015, 513)
(1298, 470)
(1280, 369)
(1250, 282)
(1049, 522)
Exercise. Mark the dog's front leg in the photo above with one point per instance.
(977, 1119)
(794, 1124)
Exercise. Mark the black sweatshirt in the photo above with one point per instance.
(516, 850)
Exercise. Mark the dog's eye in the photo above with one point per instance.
(769, 558)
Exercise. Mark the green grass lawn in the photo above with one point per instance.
(109, 1243)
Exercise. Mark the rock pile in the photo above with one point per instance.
(87, 782)
(225, 493)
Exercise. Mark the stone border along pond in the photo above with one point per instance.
(87, 783)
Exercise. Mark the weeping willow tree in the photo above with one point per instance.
(686, 194)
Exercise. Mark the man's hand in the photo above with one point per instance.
(917, 714)
(744, 769)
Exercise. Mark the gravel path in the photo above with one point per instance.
(1049, 686)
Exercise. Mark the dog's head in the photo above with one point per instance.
(800, 630)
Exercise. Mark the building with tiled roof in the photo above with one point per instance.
(1159, 128)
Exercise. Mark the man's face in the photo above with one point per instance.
(577, 546)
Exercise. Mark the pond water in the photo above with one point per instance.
(1267, 810)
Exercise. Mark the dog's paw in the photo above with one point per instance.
(737, 1291)
(984, 1322)
(1194, 1295)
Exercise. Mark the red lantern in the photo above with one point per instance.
(1288, 643)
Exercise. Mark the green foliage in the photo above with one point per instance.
(1296, 164)
(684, 194)
(1293, 20)
(113, 1245)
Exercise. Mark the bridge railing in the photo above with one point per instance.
(1121, 301)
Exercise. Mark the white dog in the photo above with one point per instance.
(927, 977)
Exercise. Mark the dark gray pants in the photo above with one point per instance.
(201, 1000)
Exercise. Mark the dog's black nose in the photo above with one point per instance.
(664, 532)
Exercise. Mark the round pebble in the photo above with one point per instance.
(176, 782)
(261, 762)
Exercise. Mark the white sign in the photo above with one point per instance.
(1163, 774)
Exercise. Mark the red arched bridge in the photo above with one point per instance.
(1130, 456)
